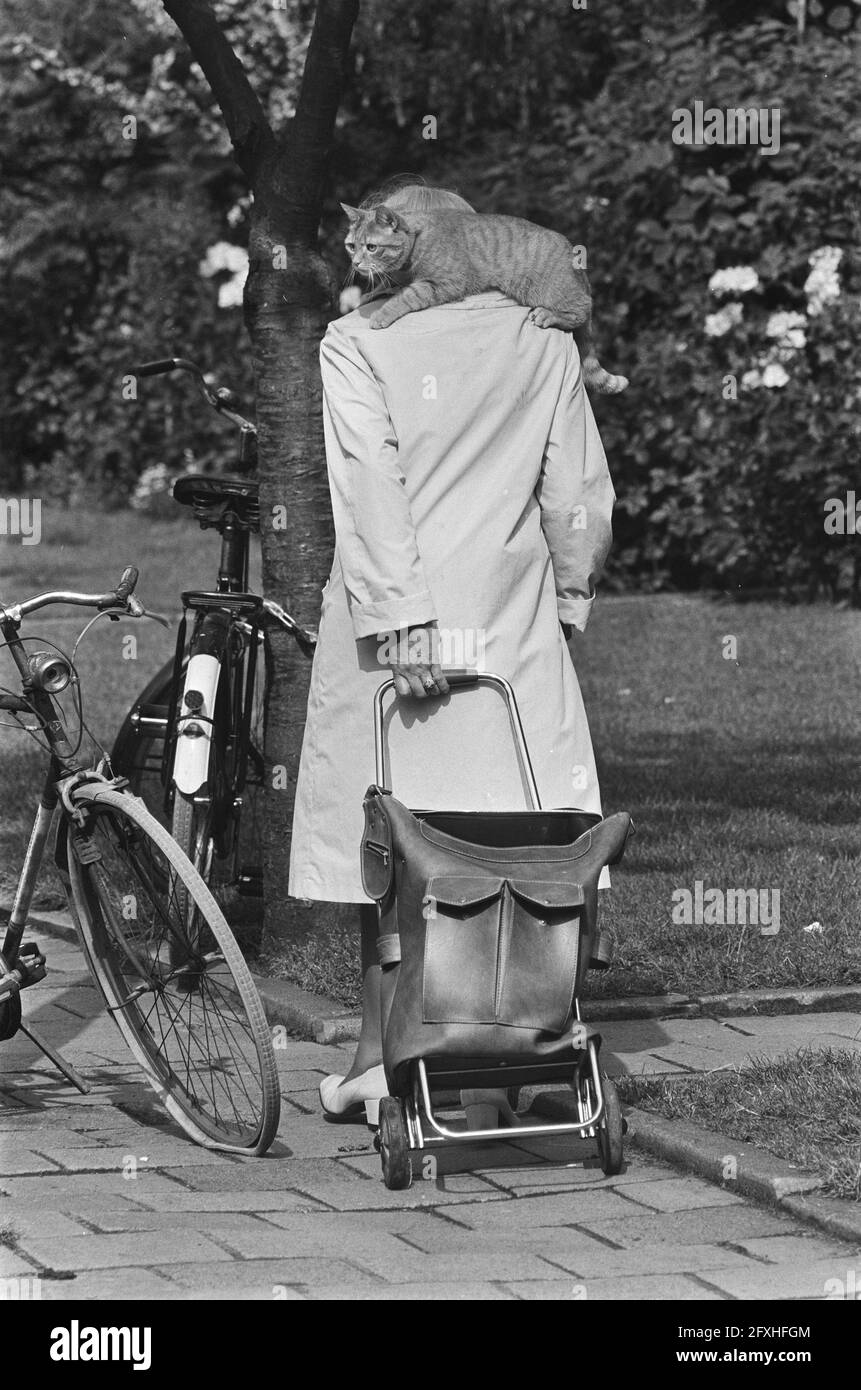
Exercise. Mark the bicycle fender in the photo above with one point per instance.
(194, 725)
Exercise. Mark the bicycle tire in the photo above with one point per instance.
(199, 1032)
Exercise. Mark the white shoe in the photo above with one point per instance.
(345, 1100)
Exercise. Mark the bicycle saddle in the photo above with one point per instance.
(212, 495)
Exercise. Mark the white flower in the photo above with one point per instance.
(231, 291)
(751, 380)
(154, 480)
(238, 211)
(716, 325)
(734, 279)
(784, 322)
(823, 283)
(775, 375)
(224, 256)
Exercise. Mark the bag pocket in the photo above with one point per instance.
(539, 954)
(463, 915)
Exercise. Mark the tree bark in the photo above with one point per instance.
(287, 296)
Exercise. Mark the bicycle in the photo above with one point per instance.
(162, 956)
(192, 743)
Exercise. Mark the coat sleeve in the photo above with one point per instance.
(576, 497)
(374, 532)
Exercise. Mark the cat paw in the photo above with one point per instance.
(605, 383)
(542, 318)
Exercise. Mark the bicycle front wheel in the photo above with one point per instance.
(171, 973)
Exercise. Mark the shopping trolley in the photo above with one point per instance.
(488, 922)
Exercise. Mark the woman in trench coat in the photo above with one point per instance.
(472, 506)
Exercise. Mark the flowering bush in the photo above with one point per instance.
(726, 286)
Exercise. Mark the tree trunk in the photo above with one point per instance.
(285, 317)
(286, 300)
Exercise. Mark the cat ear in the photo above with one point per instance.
(353, 213)
(387, 218)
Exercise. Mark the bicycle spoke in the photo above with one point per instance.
(174, 984)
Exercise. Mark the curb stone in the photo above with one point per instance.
(760, 1175)
(311, 1015)
(324, 1020)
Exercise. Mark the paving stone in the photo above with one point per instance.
(453, 1182)
(374, 1196)
(77, 1191)
(411, 1266)
(14, 1162)
(787, 1032)
(265, 1175)
(638, 1287)
(816, 1279)
(409, 1226)
(34, 1221)
(333, 1240)
(324, 1058)
(563, 1245)
(14, 1264)
(44, 1136)
(154, 1155)
(131, 1282)
(213, 1293)
(561, 1209)
(702, 1225)
(215, 1223)
(266, 1275)
(89, 1251)
(681, 1194)
(787, 1249)
(454, 1290)
(307, 1136)
(179, 1200)
(598, 1260)
(298, 1078)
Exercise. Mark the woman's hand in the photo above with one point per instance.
(415, 665)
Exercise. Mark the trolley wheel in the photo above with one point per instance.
(394, 1145)
(611, 1129)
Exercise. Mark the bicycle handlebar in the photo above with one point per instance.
(164, 364)
(121, 597)
(222, 400)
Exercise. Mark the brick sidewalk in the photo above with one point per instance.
(103, 1188)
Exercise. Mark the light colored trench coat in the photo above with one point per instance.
(469, 485)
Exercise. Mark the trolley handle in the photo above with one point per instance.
(460, 677)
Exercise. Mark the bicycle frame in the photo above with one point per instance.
(24, 967)
(202, 711)
(62, 764)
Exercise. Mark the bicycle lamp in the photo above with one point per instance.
(49, 672)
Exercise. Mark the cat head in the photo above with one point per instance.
(379, 241)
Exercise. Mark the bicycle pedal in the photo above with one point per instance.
(30, 964)
(249, 883)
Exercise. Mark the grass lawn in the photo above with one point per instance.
(739, 774)
(804, 1107)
